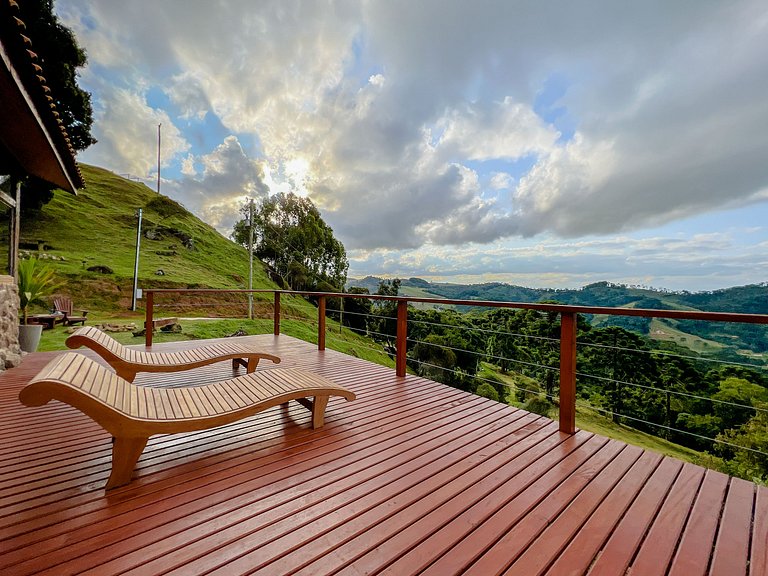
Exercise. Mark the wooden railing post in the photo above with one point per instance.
(277, 314)
(402, 334)
(321, 323)
(568, 372)
(150, 300)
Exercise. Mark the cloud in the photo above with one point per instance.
(501, 181)
(126, 127)
(438, 122)
(228, 177)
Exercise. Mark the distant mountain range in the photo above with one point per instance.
(751, 299)
(728, 341)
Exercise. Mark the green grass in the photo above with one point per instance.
(662, 331)
(342, 340)
(593, 421)
(98, 228)
(416, 292)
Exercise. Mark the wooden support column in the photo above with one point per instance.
(150, 300)
(321, 323)
(568, 372)
(402, 335)
(277, 314)
(15, 228)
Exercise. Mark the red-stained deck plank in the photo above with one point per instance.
(758, 559)
(695, 549)
(412, 477)
(731, 553)
(597, 474)
(626, 537)
(659, 545)
(608, 499)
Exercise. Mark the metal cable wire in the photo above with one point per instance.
(513, 387)
(486, 355)
(676, 392)
(360, 345)
(671, 355)
(476, 377)
(485, 330)
(386, 336)
(715, 440)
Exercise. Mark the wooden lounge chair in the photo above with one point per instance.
(128, 361)
(64, 305)
(131, 413)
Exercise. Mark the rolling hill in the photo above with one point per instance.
(90, 239)
(737, 342)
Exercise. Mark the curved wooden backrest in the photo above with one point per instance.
(131, 413)
(128, 361)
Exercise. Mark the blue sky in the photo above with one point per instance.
(547, 144)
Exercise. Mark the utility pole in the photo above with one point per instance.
(250, 259)
(136, 265)
(158, 158)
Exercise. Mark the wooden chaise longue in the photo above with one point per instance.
(128, 361)
(131, 413)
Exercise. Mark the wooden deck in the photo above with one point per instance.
(412, 477)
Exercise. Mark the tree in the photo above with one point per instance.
(357, 310)
(750, 463)
(292, 238)
(383, 322)
(60, 57)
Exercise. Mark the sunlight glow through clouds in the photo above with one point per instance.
(597, 141)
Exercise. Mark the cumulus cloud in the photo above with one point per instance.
(501, 181)
(228, 178)
(126, 127)
(402, 120)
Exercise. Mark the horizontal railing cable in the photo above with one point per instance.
(484, 330)
(666, 353)
(476, 377)
(670, 391)
(486, 355)
(665, 427)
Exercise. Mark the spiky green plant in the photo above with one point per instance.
(35, 282)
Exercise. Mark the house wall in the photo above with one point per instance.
(10, 353)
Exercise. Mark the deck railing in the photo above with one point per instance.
(568, 316)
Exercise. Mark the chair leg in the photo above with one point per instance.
(318, 411)
(125, 454)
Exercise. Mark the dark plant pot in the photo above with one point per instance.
(29, 336)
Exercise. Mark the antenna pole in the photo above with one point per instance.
(158, 158)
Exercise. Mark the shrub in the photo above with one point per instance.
(538, 405)
(487, 391)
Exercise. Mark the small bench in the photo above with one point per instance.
(47, 320)
(131, 413)
(64, 305)
(127, 362)
(160, 322)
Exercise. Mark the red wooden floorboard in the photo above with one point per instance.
(413, 477)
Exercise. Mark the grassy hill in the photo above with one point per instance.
(97, 228)
(725, 341)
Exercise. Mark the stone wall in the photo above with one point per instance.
(10, 353)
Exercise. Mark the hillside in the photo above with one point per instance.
(737, 342)
(752, 299)
(97, 229)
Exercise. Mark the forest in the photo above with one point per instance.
(713, 406)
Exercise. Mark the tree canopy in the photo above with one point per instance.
(292, 238)
(60, 57)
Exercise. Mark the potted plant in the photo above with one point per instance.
(35, 282)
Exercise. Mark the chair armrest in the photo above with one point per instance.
(84, 312)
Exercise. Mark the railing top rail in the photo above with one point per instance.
(557, 308)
